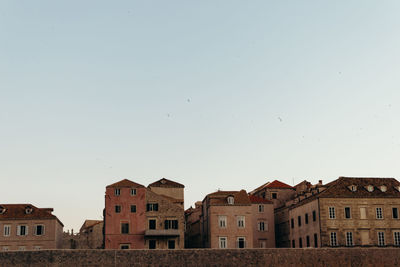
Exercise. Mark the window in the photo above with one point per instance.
(171, 224)
(347, 213)
(333, 239)
(37, 247)
(39, 229)
(171, 244)
(240, 221)
(300, 243)
(21, 248)
(262, 243)
(117, 209)
(124, 228)
(230, 200)
(381, 239)
(308, 241)
(133, 208)
(332, 214)
(222, 242)
(22, 230)
(133, 191)
(383, 188)
(241, 242)
(7, 230)
(274, 195)
(293, 243)
(314, 216)
(260, 208)
(395, 213)
(370, 188)
(363, 213)
(152, 206)
(353, 188)
(315, 240)
(261, 226)
(6, 248)
(396, 238)
(292, 223)
(306, 218)
(152, 224)
(349, 239)
(379, 214)
(124, 246)
(152, 244)
(117, 191)
(222, 221)
(263, 194)
(299, 220)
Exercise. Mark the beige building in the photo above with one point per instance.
(193, 226)
(26, 227)
(346, 212)
(90, 236)
(165, 224)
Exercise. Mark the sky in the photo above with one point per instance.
(223, 94)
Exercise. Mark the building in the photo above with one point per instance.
(26, 227)
(90, 236)
(230, 219)
(263, 222)
(279, 193)
(346, 212)
(139, 217)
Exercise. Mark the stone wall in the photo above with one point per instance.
(326, 257)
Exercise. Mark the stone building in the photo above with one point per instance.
(26, 227)
(279, 193)
(90, 236)
(346, 212)
(230, 219)
(138, 217)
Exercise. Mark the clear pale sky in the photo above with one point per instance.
(212, 94)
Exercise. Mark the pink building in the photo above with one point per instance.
(125, 215)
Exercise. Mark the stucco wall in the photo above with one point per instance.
(367, 257)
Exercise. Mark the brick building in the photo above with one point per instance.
(26, 227)
(139, 217)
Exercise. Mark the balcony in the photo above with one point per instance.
(163, 232)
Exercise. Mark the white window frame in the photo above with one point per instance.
(238, 240)
(260, 208)
(381, 239)
(117, 191)
(222, 221)
(332, 213)
(349, 239)
(379, 213)
(262, 226)
(6, 248)
(19, 227)
(223, 242)
(21, 248)
(37, 247)
(241, 221)
(333, 239)
(35, 229)
(231, 200)
(133, 192)
(7, 230)
(396, 238)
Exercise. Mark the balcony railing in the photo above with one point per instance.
(162, 232)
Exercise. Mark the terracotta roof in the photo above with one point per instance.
(278, 184)
(255, 199)
(18, 212)
(166, 183)
(340, 188)
(220, 198)
(90, 223)
(125, 183)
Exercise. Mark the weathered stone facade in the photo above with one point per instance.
(328, 257)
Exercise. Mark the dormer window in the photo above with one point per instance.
(2, 210)
(231, 200)
(370, 188)
(383, 188)
(398, 188)
(353, 188)
(28, 210)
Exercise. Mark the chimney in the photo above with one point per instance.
(320, 182)
(49, 210)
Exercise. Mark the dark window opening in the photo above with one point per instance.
(299, 220)
(171, 224)
(308, 241)
(395, 212)
(292, 223)
(133, 208)
(124, 228)
(293, 243)
(152, 224)
(306, 218)
(347, 213)
(152, 206)
(171, 244)
(274, 195)
(152, 244)
(315, 240)
(300, 243)
(314, 216)
(117, 209)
